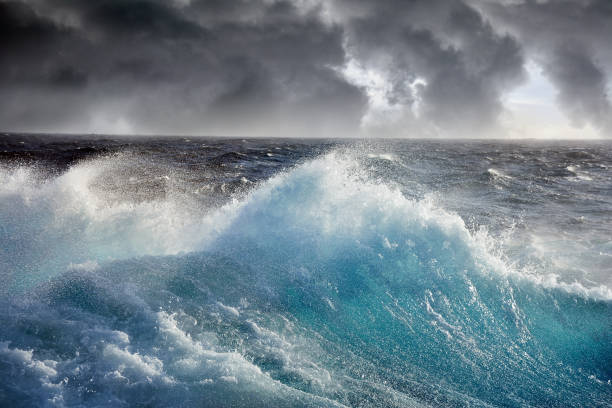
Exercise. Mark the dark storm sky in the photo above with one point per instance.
(404, 68)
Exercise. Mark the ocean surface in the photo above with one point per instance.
(202, 272)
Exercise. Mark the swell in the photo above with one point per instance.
(320, 287)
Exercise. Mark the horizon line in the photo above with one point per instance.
(203, 136)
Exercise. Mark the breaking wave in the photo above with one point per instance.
(318, 287)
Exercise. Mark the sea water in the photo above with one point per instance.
(223, 272)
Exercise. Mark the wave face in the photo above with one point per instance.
(323, 285)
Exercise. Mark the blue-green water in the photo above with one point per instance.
(274, 273)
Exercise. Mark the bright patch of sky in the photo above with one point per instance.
(532, 111)
(382, 109)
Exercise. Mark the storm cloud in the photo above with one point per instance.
(570, 41)
(446, 65)
(157, 67)
(293, 68)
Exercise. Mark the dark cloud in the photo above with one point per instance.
(465, 64)
(167, 69)
(581, 84)
(570, 40)
(264, 67)
(33, 50)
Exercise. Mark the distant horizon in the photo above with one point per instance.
(356, 138)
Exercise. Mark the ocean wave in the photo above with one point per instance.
(318, 287)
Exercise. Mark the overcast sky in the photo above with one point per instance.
(386, 68)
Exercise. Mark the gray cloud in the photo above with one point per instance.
(465, 64)
(581, 84)
(262, 67)
(165, 70)
(570, 40)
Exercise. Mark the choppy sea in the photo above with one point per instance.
(203, 272)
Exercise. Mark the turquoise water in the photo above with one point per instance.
(342, 279)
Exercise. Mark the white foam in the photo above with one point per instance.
(133, 365)
(383, 156)
(38, 376)
(498, 173)
(87, 266)
(232, 311)
(44, 369)
(332, 197)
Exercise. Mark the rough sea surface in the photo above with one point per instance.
(203, 272)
